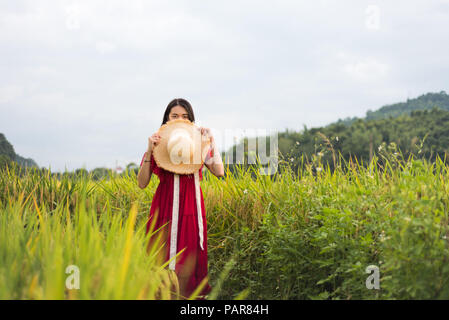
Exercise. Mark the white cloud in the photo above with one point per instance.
(47, 100)
(105, 47)
(366, 69)
(41, 71)
(10, 93)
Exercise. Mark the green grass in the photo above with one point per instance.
(308, 235)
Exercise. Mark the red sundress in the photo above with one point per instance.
(191, 264)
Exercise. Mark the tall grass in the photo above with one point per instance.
(308, 234)
(48, 225)
(311, 235)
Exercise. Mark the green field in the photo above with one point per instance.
(309, 234)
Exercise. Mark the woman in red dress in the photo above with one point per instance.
(191, 265)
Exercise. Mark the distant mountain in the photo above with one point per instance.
(419, 126)
(426, 101)
(7, 153)
(25, 162)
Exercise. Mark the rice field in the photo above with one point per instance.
(309, 234)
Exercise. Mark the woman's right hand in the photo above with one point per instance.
(153, 141)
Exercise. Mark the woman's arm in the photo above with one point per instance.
(215, 163)
(145, 171)
(144, 175)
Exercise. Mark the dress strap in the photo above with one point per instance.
(174, 223)
(198, 207)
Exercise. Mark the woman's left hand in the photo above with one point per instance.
(207, 132)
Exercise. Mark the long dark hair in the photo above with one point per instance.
(178, 102)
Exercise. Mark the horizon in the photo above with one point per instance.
(123, 166)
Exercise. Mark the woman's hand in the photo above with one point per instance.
(153, 141)
(207, 132)
(213, 162)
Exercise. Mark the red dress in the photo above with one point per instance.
(191, 264)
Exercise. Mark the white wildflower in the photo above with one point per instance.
(319, 169)
(245, 191)
(382, 237)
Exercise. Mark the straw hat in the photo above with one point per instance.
(182, 148)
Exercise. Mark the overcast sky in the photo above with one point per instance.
(85, 83)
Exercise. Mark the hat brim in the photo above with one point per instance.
(201, 143)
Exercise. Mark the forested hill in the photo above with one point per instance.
(423, 133)
(426, 101)
(7, 154)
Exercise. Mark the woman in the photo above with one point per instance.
(191, 265)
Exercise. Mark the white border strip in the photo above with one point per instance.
(198, 207)
(174, 223)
